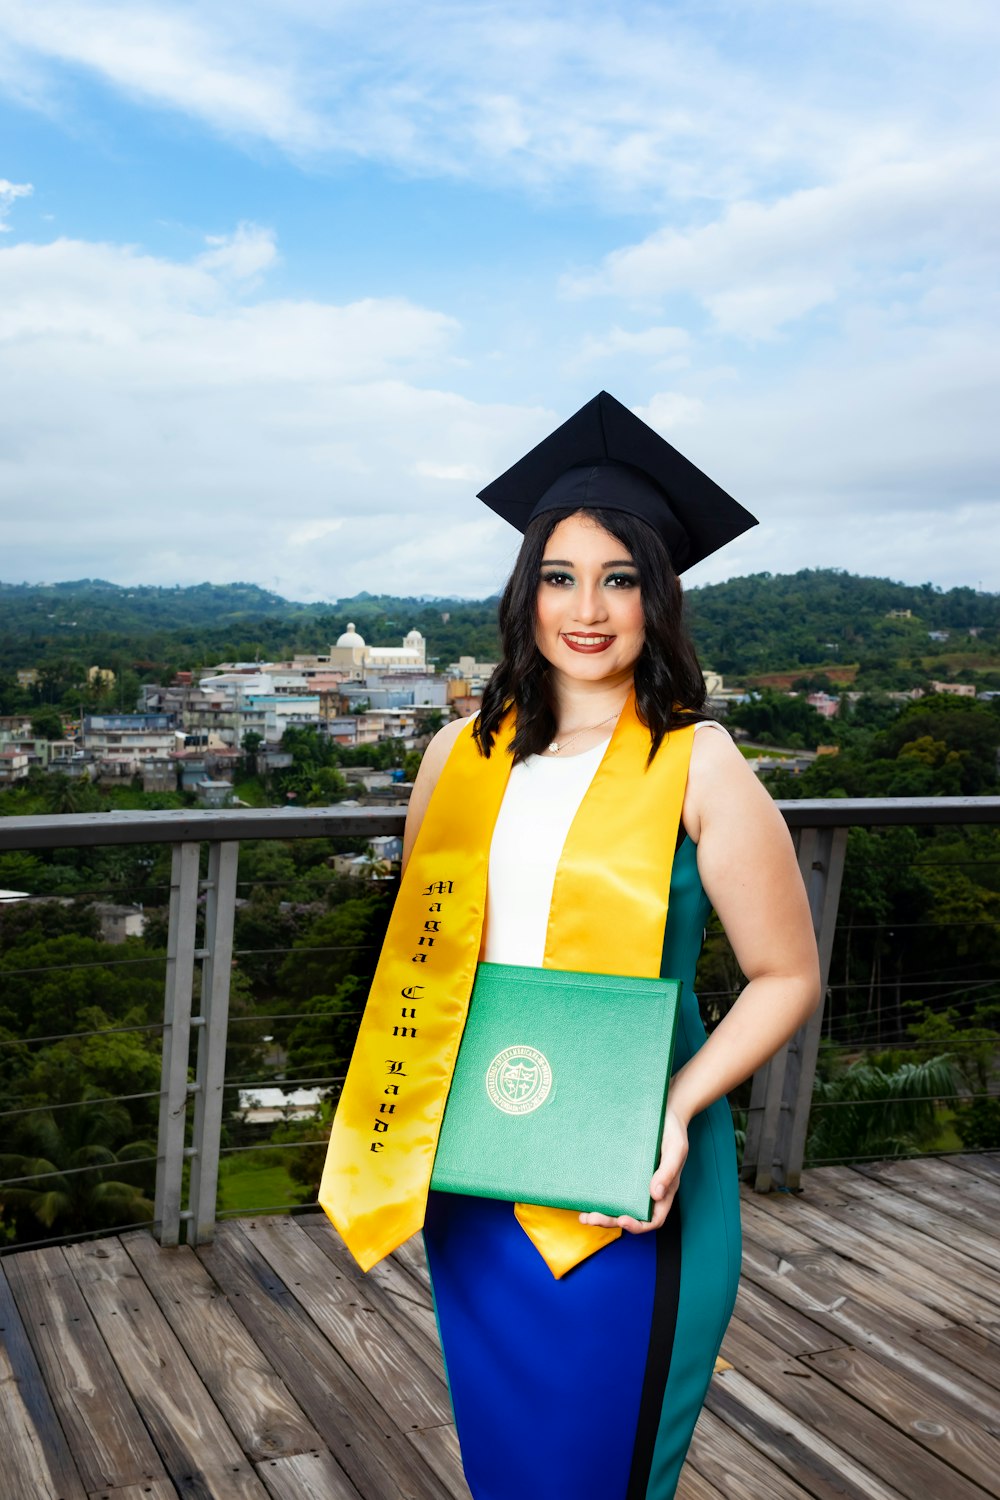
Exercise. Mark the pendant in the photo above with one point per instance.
(553, 748)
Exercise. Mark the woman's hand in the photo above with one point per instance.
(665, 1182)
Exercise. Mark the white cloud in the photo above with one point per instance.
(156, 425)
(163, 55)
(760, 265)
(668, 410)
(313, 531)
(243, 255)
(641, 105)
(661, 344)
(9, 193)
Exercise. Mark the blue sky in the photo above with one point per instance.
(282, 287)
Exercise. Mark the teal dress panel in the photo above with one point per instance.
(711, 1242)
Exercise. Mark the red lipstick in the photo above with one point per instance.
(587, 642)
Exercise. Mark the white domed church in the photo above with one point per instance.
(351, 651)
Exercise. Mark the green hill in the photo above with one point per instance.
(814, 620)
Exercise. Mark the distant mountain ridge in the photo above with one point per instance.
(756, 624)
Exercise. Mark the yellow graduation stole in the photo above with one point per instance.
(608, 916)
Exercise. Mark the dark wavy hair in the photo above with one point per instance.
(669, 686)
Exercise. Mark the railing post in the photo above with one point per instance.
(176, 1040)
(210, 1075)
(782, 1089)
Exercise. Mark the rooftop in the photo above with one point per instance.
(863, 1361)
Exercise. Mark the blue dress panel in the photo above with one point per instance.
(590, 1386)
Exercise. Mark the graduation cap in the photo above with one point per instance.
(605, 457)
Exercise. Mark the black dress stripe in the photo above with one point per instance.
(666, 1292)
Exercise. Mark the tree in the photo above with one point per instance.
(47, 724)
(866, 1112)
(72, 1179)
(776, 719)
(411, 764)
(250, 744)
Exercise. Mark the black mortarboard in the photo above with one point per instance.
(605, 457)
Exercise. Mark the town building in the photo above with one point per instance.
(824, 704)
(121, 743)
(14, 766)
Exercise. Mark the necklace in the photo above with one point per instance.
(558, 745)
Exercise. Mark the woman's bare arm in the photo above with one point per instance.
(749, 871)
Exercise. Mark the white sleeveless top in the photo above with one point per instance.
(541, 800)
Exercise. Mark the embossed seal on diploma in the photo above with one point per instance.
(518, 1080)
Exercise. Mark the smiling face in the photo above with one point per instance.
(589, 621)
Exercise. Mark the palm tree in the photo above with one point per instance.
(866, 1112)
(69, 1179)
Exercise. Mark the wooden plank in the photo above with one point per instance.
(826, 1411)
(439, 1446)
(198, 1450)
(952, 1299)
(768, 1219)
(735, 1467)
(407, 1389)
(413, 1257)
(967, 1446)
(921, 1214)
(694, 1486)
(910, 1244)
(296, 1476)
(110, 1444)
(968, 1197)
(842, 1277)
(390, 1272)
(981, 1164)
(406, 1275)
(825, 1470)
(254, 1401)
(970, 1349)
(783, 1326)
(853, 1321)
(820, 1188)
(389, 1289)
(358, 1431)
(153, 1489)
(35, 1459)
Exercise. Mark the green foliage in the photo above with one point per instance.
(775, 719)
(868, 1112)
(321, 1041)
(411, 764)
(47, 724)
(978, 1124)
(257, 1181)
(818, 616)
(45, 983)
(938, 746)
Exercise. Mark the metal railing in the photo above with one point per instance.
(782, 1089)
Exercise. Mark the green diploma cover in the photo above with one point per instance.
(559, 1090)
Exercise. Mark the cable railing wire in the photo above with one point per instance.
(67, 1036)
(271, 1146)
(285, 1082)
(96, 1166)
(45, 1109)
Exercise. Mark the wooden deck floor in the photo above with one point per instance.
(865, 1359)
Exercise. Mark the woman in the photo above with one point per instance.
(578, 1354)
